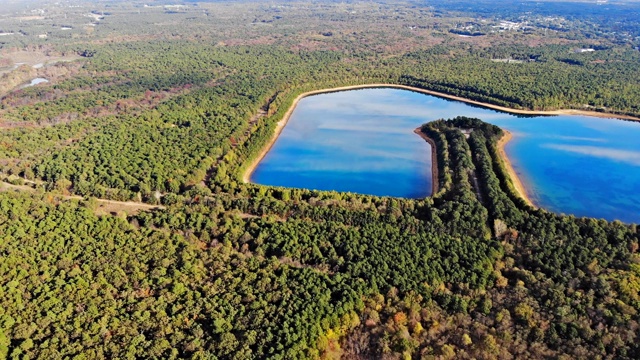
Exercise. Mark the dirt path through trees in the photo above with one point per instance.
(102, 206)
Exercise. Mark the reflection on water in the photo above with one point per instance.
(362, 141)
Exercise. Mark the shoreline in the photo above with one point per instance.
(434, 162)
(246, 176)
(502, 108)
(515, 180)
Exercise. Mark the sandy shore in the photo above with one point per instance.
(510, 170)
(246, 177)
(434, 162)
(502, 108)
(474, 102)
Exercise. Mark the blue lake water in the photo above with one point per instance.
(362, 141)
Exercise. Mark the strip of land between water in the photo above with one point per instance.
(246, 177)
(515, 179)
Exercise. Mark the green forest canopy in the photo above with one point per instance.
(234, 270)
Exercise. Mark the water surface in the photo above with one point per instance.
(355, 141)
(36, 81)
(362, 141)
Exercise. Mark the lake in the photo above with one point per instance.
(362, 141)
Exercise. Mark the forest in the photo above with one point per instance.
(165, 107)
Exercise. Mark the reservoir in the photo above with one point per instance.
(362, 141)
